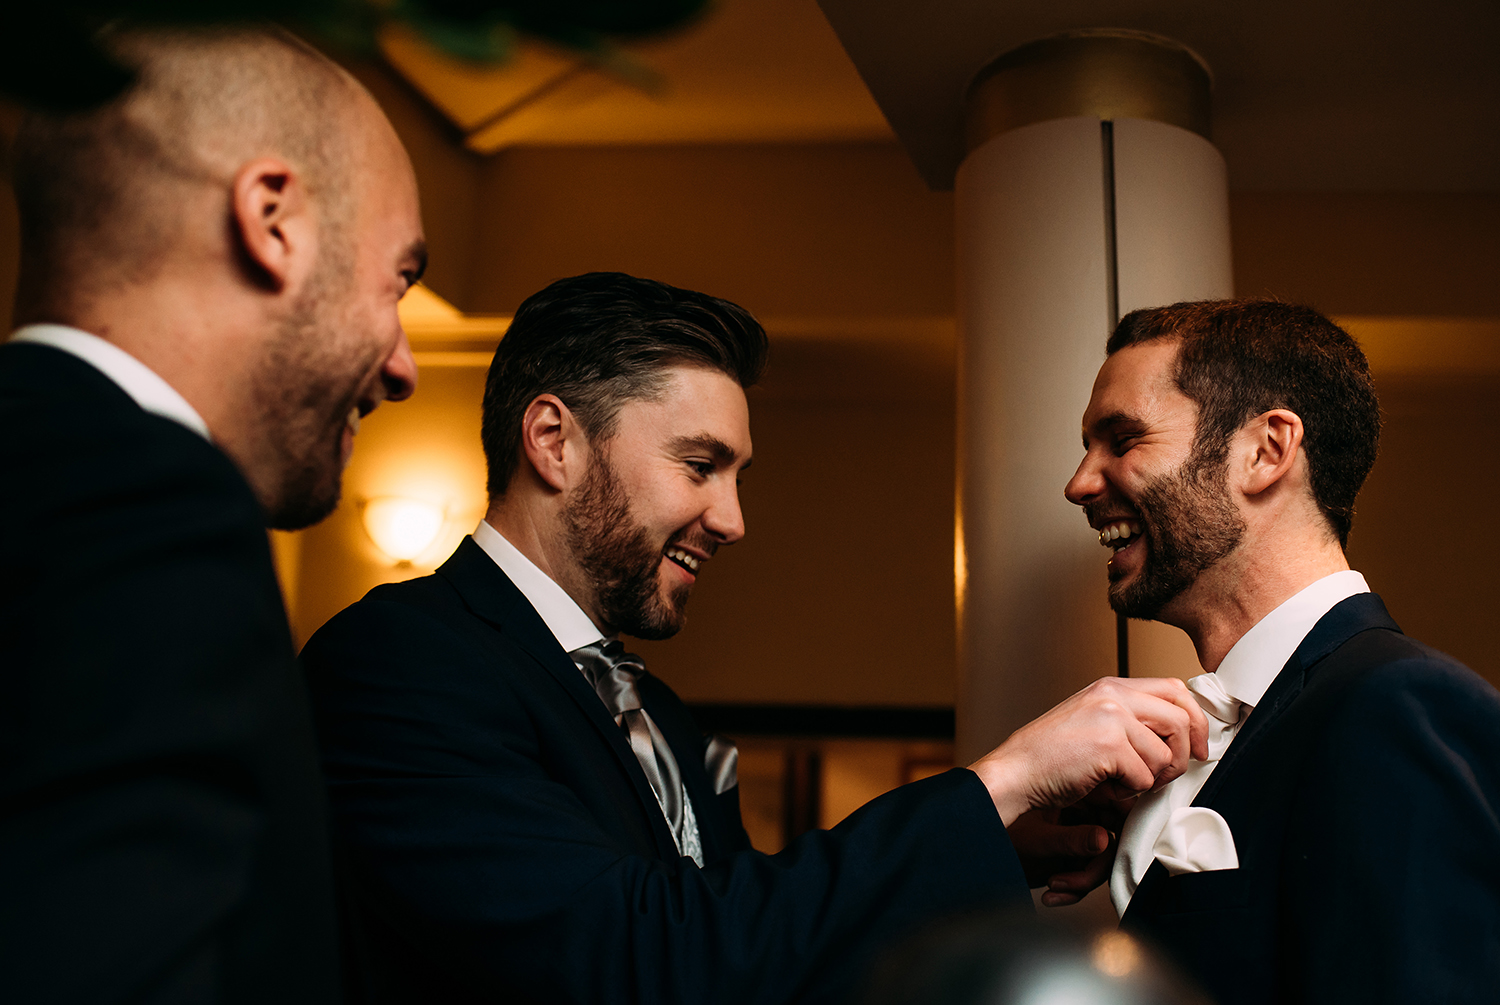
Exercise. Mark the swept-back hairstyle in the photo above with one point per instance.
(600, 340)
(1241, 358)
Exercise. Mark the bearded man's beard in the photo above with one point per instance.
(1191, 524)
(622, 562)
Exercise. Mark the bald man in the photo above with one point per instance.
(209, 277)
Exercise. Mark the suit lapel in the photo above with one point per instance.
(494, 599)
(1349, 617)
(1346, 619)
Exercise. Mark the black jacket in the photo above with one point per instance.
(1363, 793)
(496, 838)
(162, 834)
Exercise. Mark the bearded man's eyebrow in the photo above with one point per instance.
(707, 443)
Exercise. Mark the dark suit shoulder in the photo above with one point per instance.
(406, 663)
(1392, 841)
(398, 628)
(95, 469)
(1387, 677)
(157, 775)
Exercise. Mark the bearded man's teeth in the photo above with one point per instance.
(1118, 530)
(352, 420)
(678, 555)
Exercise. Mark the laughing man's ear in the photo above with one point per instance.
(1271, 443)
(272, 220)
(551, 440)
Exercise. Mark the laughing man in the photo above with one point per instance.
(1342, 842)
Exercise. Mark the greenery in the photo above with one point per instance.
(48, 58)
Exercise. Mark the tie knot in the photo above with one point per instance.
(1214, 700)
(613, 672)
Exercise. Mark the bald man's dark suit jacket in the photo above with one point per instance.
(162, 834)
(1363, 794)
(496, 839)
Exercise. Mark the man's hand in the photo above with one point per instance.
(1126, 736)
(1069, 851)
(1047, 845)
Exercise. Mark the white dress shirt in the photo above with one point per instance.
(1244, 676)
(133, 377)
(572, 628)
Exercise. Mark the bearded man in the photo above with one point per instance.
(521, 812)
(210, 267)
(1342, 841)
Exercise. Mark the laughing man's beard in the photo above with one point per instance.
(1190, 524)
(621, 561)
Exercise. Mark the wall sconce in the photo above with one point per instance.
(402, 528)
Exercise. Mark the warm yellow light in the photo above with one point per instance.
(960, 564)
(1116, 954)
(402, 528)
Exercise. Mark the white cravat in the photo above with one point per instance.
(1151, 811)
(1227, 697)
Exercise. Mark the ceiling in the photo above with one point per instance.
(752, 71)
(1310, 95)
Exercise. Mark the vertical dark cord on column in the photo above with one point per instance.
(1111, 251)
(1112, 292)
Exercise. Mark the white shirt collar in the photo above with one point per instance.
(569, 625)
(134, 377)
(1250, 667)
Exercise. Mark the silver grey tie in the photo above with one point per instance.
(613, 672)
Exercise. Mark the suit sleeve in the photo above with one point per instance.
(1394, 843)
(148, 736)
(458, 837)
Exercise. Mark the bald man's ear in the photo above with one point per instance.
(273, 221)
(1270, 445)
(552, 441)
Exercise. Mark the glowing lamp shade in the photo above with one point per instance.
(402, 528)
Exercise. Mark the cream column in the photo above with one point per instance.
(1089, 190)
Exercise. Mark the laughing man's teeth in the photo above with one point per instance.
(1118, 530)
(352, 419)
(678, 555)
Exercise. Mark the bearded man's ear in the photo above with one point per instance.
(552, 441)
(1269, 448)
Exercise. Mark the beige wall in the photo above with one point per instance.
(1422, 524)
(1371, 253)
(844, 229)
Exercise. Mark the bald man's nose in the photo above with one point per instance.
(399, 375)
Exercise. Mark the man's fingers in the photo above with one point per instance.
(1079, 840)
(1172, 726)
(1070, 887)
(1173, 691)
(1148, 758)
(1036, 836)
(1129, 735)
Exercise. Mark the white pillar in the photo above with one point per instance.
(1063, 221)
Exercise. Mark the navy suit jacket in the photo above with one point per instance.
(162, 833)
(496, 837)
(1363, 793)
